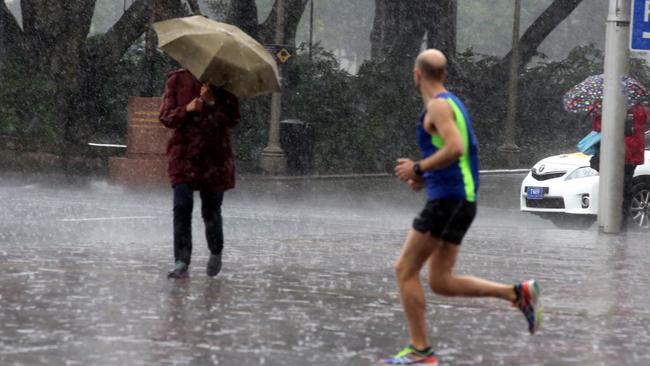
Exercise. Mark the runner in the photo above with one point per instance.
(449, 173)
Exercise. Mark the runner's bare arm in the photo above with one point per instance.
(440, 117)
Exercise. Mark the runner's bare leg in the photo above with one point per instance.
(443, 282)
(417, 250)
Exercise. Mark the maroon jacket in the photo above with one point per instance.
(635, 143)
(200, 149)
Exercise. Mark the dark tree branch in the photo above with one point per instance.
(112, 45)
(8, 21)
(194, 6)
(553, 16)
(293, 10)
(10, 31)
(123, 34)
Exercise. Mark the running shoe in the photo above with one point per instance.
(528, 302)
(179, 271)
(410, 356)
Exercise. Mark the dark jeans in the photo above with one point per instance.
(627, 192)
(628, 178)
(211, 212)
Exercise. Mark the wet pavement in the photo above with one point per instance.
(307, 280)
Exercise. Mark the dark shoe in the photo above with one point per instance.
(214, 265)
(180, 271)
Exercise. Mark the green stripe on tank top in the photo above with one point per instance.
(465, 165)
(437, 141)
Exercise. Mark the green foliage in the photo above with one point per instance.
(361, 122)
(128, 79)
(250, 136)
(317, 100)
(472, 81)
(545, 127)
(28, 105)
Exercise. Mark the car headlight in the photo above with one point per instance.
(583, 172)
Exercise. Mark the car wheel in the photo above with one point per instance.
(569, 221)
(640, 205)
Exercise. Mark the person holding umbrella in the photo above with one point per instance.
(201, 105)
(200, 159)
(587, 97)
(635, 126)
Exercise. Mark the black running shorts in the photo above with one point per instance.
(444, 219)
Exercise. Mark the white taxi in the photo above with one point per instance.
(564, 189)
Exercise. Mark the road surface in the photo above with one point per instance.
(307, 280)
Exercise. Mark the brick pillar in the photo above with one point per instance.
(146, 161)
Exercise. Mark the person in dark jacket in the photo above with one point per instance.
(200, 159)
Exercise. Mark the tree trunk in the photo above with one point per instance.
(398, 30)
(441, 32)
(102, 55)
(243, 13)
(55, 40)
(293, 11)
(385, 28)
(194, 7)
(10, 34)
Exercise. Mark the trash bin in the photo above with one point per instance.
(296, 138)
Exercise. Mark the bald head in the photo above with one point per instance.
(432, 64)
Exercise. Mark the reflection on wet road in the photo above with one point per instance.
(307, 280)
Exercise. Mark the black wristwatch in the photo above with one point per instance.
(417, 170)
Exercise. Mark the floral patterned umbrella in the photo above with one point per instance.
(587, 97)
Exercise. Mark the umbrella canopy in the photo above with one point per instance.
(587, 96)
(219, 54)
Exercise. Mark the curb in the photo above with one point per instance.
(284, 178)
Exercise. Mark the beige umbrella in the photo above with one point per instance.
(220, 54)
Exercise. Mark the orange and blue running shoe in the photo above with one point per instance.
(528, 302)
(411, 356)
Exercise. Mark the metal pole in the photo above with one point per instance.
(612, 146)
(311, 28)
(509, 147)
(273, 160)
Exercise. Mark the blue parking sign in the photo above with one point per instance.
(640, 31)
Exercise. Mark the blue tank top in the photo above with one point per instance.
(460, 180)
